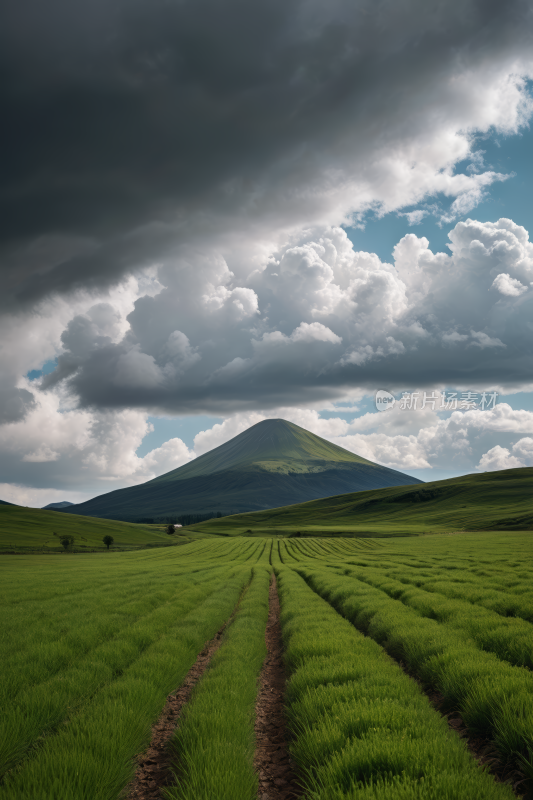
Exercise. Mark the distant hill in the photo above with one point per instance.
(487, 501)
(272, 463)
(62, 504)
(26, 529)
(3, 503)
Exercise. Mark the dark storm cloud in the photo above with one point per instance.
(14, 403)
(129, 128)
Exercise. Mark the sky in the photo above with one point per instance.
(216, 213)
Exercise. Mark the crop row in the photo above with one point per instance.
(510, 639)
(512, 596)
(494, 698)
(94, 742)
(362, 728)
(87, 672)
(505, 590)
(64, 634)
(214, 743)
(48, 680)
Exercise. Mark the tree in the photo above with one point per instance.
(171, 529)
(66, 540)
(108, 541)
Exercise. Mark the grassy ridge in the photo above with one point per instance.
(363, 728)
(488, 501)
(215, 739)
(30, 528)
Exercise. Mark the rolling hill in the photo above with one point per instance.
(272, 463)
(28, 529)
(487, 501)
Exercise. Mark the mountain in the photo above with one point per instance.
(55, 506)
(271, 464)
(4, 503)
(487, 501)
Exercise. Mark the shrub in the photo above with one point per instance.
(67, 541)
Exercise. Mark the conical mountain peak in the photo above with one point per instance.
(273, 463)
(272, 445)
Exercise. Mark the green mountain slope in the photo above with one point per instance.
(273, 445)
(272, 463)
(488, 501)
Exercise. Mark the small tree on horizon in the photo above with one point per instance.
(67, 541)
(108, 540)
(171, 529)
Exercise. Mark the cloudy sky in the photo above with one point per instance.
(217, 212)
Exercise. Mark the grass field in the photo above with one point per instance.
(92, 646)
(28, 529)
(487, 501)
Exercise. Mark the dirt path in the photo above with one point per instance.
(277, 779)
(153, 772)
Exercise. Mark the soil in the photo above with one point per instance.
(272, 762)
(154, 765)
(482, 748)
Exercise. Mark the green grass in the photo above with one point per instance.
(506, 598)
(92, 646)
(487, 501)
(23, 529)
(215, 740)
(363, 729)
(73, 727)
(494, 698)
(47, 678)
(510, 639)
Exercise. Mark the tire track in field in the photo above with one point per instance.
(272, 762)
